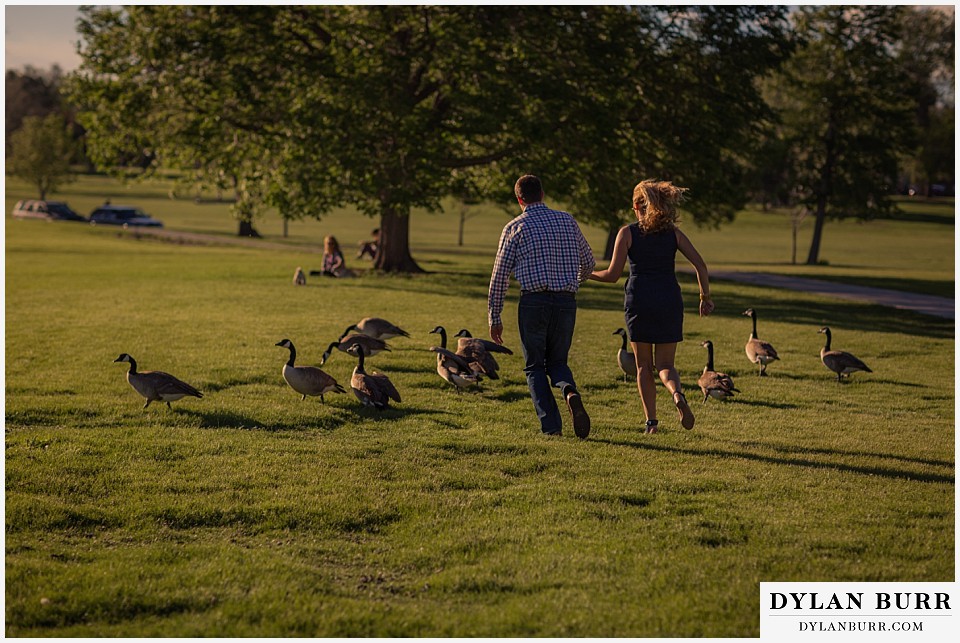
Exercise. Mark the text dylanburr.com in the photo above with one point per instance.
(858, 611)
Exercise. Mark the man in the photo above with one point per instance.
(547, 253)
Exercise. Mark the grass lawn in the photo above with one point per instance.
(251, 513)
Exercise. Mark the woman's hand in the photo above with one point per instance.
(706, 307)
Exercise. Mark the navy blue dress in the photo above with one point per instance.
(653, 306)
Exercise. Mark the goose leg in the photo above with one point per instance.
(168, 406)
(321, 400)
(303, 397)
(147, 404)
(705, 396)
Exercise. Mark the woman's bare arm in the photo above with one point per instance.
(703, 277)
(615, 269)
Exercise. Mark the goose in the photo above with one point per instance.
(156, 386)
(714, 383)
(370, 346)
(476, 352)
(449, 363)
(840, 362)
(491, 347)
(376, 328)
(758, 351)
(455, 369)
(307, 380)
(440, 330)
(626, 360)
(371, 389)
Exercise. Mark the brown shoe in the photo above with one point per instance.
(581, 421)
(686, 415)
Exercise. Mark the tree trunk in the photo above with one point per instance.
(793, 254)
(463, 218)
(393, 251)
(611, 240)
(824, 190)
(814, 257)
(247, 230)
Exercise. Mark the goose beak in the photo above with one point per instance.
(117, 360)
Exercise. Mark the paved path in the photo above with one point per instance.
(927, 304)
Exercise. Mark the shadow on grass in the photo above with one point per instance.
(231, 382)
(507, 396)
(393, 412)
(764, 404)
(880, 471)
(801, 450)
(230, 420)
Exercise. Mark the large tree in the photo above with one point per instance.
(846, 112)
(41, 151)
(309, 107)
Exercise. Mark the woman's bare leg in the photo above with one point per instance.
(665, 355)
(646, 384)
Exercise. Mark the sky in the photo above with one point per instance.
(40, 35)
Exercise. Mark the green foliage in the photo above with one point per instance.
(29, 93)
(926, 53)
(846, 112)
(41, 151)
(250, 513)
(386, 109)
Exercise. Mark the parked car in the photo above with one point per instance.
(123, 215)
(50, 210)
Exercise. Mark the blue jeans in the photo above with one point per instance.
(546, 322)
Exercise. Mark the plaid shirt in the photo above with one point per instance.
(545, 249)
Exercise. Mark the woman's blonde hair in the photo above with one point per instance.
(331, 240)
(657, 201)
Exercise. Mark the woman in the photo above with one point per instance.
(653, 304)
(333, 264)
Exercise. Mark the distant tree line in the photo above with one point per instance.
(391, 108)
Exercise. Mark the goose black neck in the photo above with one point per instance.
(443, 336)
(709, 357)
(133, 365)
(360, 361)
(754, 318)
(293, 355)
(623, 344)
(827, 333)
(346, 332)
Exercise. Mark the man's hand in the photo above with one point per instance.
(496, 334)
